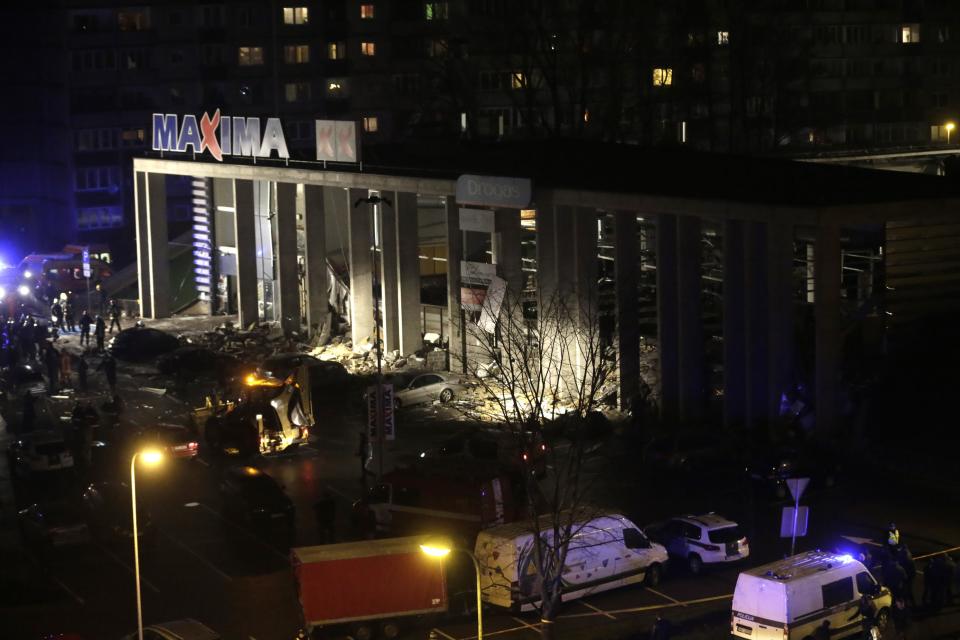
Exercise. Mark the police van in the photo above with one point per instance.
(788, 599)
(604, 552)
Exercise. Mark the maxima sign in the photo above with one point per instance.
(220, 135)
(492, 191)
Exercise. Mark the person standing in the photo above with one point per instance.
(70, 315)
(109, 366)
(867, 612)
(900, 614)
(114, 315)
(100, 331)
(85, 322)
(905, 560)
(56, 314)
(823, 631)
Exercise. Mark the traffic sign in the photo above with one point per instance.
(793, 522)
(797, 486)
(86, 262)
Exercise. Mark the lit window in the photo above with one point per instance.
(133, 137)
(436, 11)
(335, 88)
(370, 124)
(297, 91)
(296, 54)
(368, 48)
(662, 76)
(248, 56)
(132, 21)
(910, 33)
(723, 38)
(436, 47)
(518, 80)
(366, 11)
(296, 15)
(942, 132)
(336, 51)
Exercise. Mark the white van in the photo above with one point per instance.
(788, 599)
(605, 552)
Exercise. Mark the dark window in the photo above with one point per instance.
(865, 583)
(836, 593)
(633, 539)
(727, 534)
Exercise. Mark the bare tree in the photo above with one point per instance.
(542, 377)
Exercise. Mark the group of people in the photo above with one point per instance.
(63, 317)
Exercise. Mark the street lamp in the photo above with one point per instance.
(950, 126)
(440, 549)
(151, 458)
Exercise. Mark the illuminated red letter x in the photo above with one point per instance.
(208, 127)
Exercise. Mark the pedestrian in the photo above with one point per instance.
(326, 512)
(114, 311)
(905, 560)
(69, 315)
(934, 586)
(82, 368)
(660, 629)
(56, 314)
(900, 614)
(895, 578)
(892, 538)
(53, 369)
(823, 631)
(109, 366)
(949, 577)
(100, 331)
(66, 368)
(867, 612)
(85, 322)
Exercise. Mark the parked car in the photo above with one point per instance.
(138, 344)
(174, 440)
(509, 450)
(700, 540)
(21, 379)
(106, 508)
(53, 523)
(250, 496)
(187, 629)
(40, 451)
(428, 387)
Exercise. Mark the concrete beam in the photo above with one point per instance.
(145, 283)
(628, 331)
(361, 266)
(734, 325)
(827, 324)
(246, 237)
(457, 330)
(158, 242)
(318, 303)
(289, 270)
(668, 335)
(389, 313)
(408, 272)
(691, 375)
(757, 327)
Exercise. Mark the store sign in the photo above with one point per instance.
(336, 140)
(492, 191)
(219, 135)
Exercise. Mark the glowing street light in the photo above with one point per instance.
(950, 126)
(440, 549)
(151, 458)
(23, 290)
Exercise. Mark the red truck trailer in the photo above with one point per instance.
(369, 587)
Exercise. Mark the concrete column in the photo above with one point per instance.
(457, 335)
(691, 376)
(318, 315)
(628, 334)
(361, 267)
(734, 326)
(246, 237)
(546, 250)
(145, 282)
(668, 333)
(565, 263)
(410, 319)
(780, 294)
(507, 249)
(757, 327)
(287, 256)
(389, 298)
(158, 242)
(827, 321)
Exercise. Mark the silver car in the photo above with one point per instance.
(428, 387)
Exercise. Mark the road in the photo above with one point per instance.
(204, 566)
